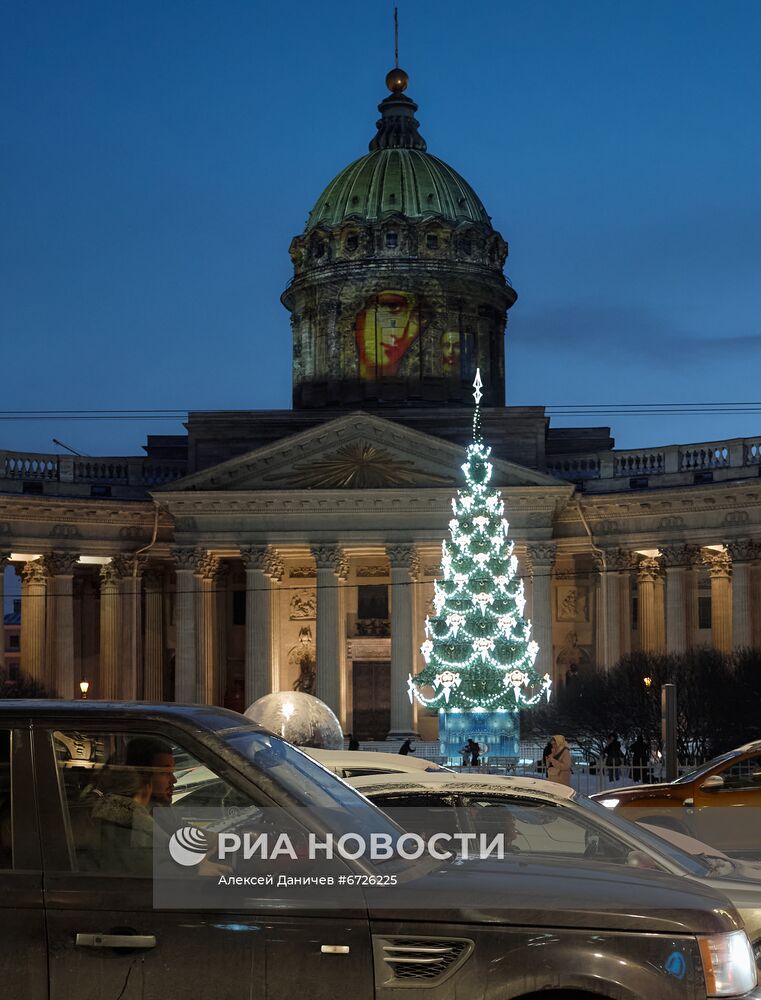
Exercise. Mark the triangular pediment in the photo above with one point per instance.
(359, 451)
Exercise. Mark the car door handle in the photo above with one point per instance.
(116, 940)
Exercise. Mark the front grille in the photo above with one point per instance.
(418, 961)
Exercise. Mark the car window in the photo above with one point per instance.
(114, 787)
(420, 813)
(6, 830)
(361, 772)
(540, 827)
(743, 774)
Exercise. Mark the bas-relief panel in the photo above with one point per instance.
(302, 605)
(572, 603)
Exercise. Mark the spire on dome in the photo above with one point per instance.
(397, 127)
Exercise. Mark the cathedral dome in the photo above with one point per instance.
(410, 182)
(398, 175)
(398, 291)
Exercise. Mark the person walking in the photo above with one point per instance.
(639, 757)
(545, 754)
(614, 757)
(559, 761)
(406, 748)
(475, 753)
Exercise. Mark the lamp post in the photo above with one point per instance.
(84, 687)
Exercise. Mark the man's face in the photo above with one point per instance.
(162, 779)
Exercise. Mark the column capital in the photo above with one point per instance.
(124, 564)
(682, 555)
(34, 571)
(61, 563)
(264, 558)
(719, 564)
(331, 557)
(744, 550)
(649, 569)
(186, 557)
(404, 555)
(620, 560)
(541, 554)
(208, 566)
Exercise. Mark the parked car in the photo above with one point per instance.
(354, 763)
(553, 820)
(703, 803)
(77, 923)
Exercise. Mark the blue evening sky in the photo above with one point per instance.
(157, 158)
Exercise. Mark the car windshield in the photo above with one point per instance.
(689, 863)
(698, 772)
(336, 806)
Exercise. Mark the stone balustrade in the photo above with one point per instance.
(130, 475)
(677, 465)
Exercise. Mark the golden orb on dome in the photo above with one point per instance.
(397, 80)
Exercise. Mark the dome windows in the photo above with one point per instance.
(432, 241)
(352, 242)
(392, 239)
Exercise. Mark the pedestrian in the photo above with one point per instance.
(614, 757)
(353, 742)
(406, 747)
(559, 761)
(545, 754)
(475, 753)
(639, 755)
(465, 751)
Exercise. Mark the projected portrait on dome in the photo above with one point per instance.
(457, 349)
(386, 329)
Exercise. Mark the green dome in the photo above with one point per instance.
(408, 181)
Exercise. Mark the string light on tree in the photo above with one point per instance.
(478, 649)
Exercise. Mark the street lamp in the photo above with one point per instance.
(647, 681)
(84, 687)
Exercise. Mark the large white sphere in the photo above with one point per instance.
(299, 718)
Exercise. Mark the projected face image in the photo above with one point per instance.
(385, 330)
(450, 352)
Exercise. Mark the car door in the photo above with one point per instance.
(106, 937)
(727, 813)
(23, 948)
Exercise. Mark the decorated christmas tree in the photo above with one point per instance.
(478, 649)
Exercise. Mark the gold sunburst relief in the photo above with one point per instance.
(358, 466)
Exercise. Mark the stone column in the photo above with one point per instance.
(4, 560)
(209, 568)
(108, 680)
(186, 653)
(541, 558)
(61, 585)
(332, 571)
(660, 612)
(153, 639)
(624, 562)
(34, 579)
(405, 568)
(648, 572)
(610, 587)
(677, 560)
(691, 595)
(720, 570)
(743, 554)
(130, 594)
(261, 563)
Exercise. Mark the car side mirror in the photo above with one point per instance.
(713, 784)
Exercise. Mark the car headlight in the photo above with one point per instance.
(609, 803)
(729, 965)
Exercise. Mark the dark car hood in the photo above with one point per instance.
(558, 893)
(642, 792)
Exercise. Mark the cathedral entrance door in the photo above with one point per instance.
(371, 702)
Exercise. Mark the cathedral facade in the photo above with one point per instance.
(272, 550)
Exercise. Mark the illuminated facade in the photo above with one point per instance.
(277, 549)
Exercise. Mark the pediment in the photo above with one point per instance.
(359, 451)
